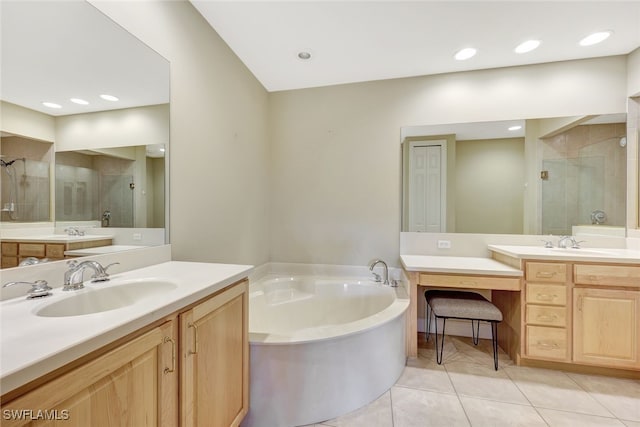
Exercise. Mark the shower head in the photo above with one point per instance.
(10, 162)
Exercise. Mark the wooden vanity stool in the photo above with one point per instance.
(466, 306)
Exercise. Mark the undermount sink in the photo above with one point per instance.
(96, 300)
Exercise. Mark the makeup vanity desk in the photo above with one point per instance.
(504, 282)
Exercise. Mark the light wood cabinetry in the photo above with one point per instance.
(132, 385)
(582, 313)
(546, 334)
(606, 317)
(14, 252)
(189, 370)
(215, 354)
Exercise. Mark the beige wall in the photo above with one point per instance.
(116, 128)
(633, 73)
(490, 186)
(219, 152)
(332, 194)
(25, 122)
(336, 154)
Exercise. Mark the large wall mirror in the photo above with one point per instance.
(561, 176)
(85, 126)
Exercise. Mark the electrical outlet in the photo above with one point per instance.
(444, 244)
(137, 236)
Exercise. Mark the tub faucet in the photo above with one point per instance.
(73, 276)
(385, 271)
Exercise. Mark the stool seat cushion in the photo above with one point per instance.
(462, 305)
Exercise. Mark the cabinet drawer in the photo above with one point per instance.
(470, 282)
(546, 272)
(55, 250)
(547, 343)
(32, 249)
(547, 316)
(9, 261)
(546, 294)
(607, 275)
(9, 249)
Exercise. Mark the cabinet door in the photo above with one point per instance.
(215, 360)
(606, 327)
(135, 384)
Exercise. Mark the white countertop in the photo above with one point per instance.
(561, 254)
(32, 346)
(56, 238)
(458, 265)
(100, 250)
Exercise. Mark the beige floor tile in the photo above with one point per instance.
(631, 423)
(481, 353)
(620, 396)
(481, 380)
(554, 390)
(572, 419)
(375, 414)
(429, 376)
(412, 408)
(487, 413)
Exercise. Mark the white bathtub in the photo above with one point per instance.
(321, 347)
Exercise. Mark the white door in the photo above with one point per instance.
(426, 187)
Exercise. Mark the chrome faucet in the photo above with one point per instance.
(569, 242)
(73, 277)
(385, 271)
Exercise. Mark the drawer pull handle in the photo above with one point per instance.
(195, 338)
(173, 355)
(547, 318)
(547, 345)
(546, 297)
(469, 283)
(545, 274)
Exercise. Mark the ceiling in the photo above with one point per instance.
(56, 50)
(355, 41)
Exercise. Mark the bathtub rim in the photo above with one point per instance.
(331, 332)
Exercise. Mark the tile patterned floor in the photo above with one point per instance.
(466, 391)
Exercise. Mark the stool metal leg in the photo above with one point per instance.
(439, 351)
(427, 332)
(475, 331)
(494, 339)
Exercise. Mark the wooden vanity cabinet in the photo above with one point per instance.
(606, 315)
(214, 347)
(13, 252)
(546, 318)
(134, 384)
(191, 370)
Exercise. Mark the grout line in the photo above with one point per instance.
(457, 394)
(526, 397)
(391, 404)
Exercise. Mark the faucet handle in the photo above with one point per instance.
(39, 288)
(377, 277)
(576, 244)
(547, 243)
(103, 276)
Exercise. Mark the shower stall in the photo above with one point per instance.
(24, 190)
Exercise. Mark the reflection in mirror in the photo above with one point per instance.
(117, 187)
(564, 176)
(25, 179)
(68, 181)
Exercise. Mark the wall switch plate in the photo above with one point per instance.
(444, 244)
(137, 236)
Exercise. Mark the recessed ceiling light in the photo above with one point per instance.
(465, 53)
(516, 127)
(595, 38)
(79, 101)
(51, 105)
(109, 98)
(304, 55)
(527, 46)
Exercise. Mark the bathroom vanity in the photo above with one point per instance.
(174, 357)
(53, 247)
(575, 309)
